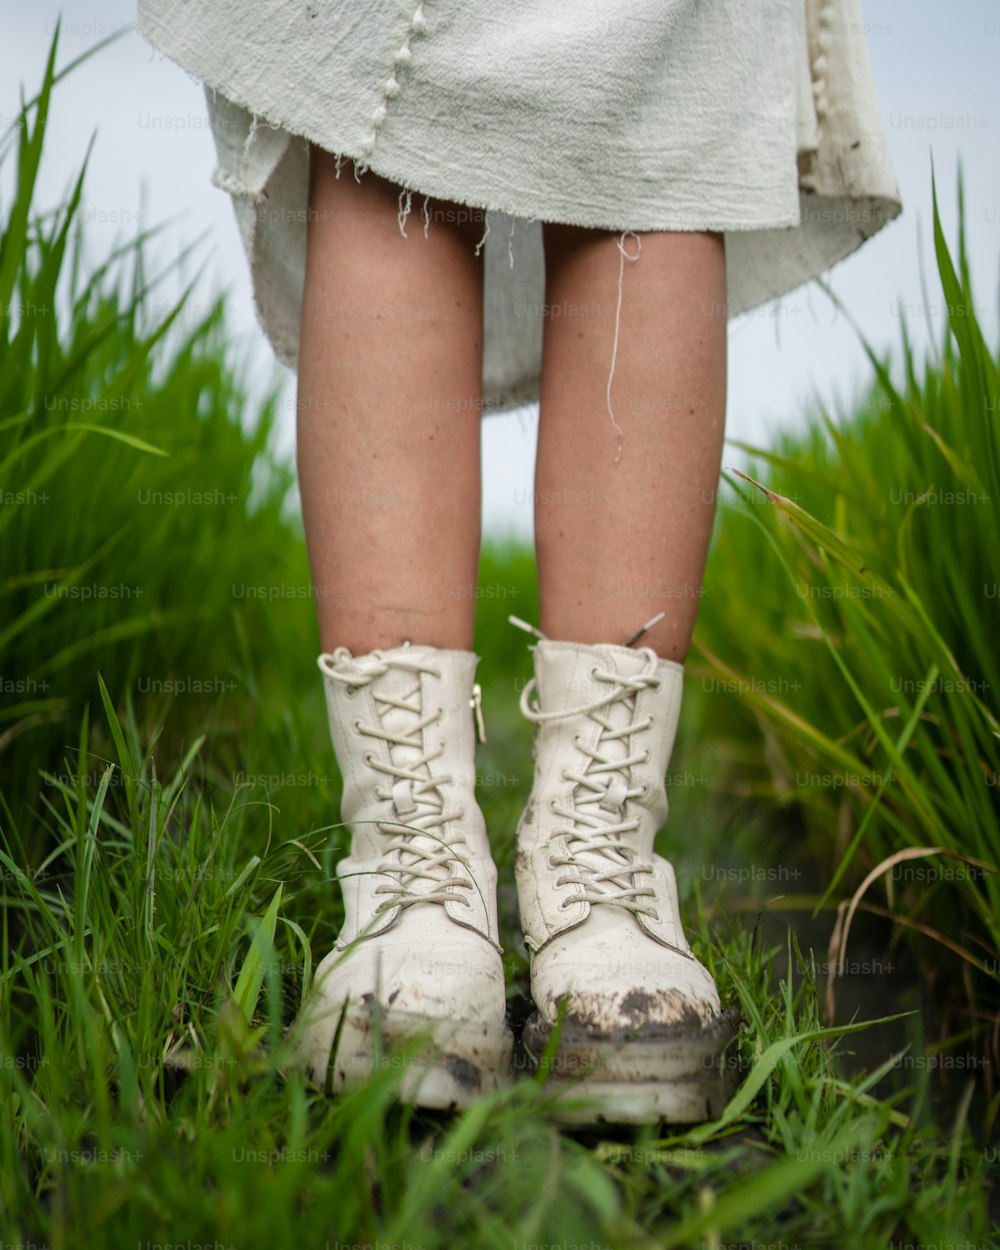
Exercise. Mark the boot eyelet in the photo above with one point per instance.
(578, 741)
(593, 671)
(461, 814)
(369, 759)
(645, 758)
(644, 791)
(357, 726)
(563, 775)
(655, 685)
(552, 805)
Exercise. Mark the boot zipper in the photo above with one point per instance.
(476, 703)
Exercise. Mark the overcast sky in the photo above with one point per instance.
(936, 73)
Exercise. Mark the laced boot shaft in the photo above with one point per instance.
(605, 718)
(418, 835)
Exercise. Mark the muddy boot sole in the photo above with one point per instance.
(642, 1076)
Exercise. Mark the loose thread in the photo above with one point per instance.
(251, 135)
(479, 245)
(425, 212)
(623, 256)
(510, 241)
(403, 213)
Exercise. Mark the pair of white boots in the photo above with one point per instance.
(416, 977)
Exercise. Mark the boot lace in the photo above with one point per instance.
(415, 852)
(597, 857)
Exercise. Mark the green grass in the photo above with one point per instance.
(145, 1107)
(866, 649)
(145, 526)
(167, 851)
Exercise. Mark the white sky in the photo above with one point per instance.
(936, 71)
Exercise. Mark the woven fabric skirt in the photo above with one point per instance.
(758, 120)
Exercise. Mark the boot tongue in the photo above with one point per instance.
(403, 685)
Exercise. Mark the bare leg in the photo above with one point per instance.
(618, 543)
(389, 405)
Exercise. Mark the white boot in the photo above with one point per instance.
(418, 956)
(643, 1030)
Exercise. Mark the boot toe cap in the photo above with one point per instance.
(628, 983)
(425, 969)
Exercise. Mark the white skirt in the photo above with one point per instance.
(759, 120)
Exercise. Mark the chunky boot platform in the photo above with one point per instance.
(643, 1033)
(415, 979)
